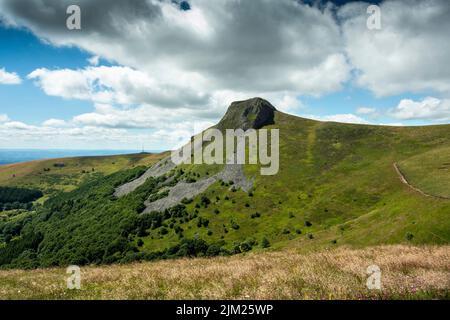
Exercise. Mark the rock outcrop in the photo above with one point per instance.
(254, 113)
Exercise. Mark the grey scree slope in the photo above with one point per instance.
(254, 113)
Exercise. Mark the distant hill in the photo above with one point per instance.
(337, 185)
(67, 173)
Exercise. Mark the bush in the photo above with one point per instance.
(202, 222)
(286, 231)
(213, 250)
(205, 201)
(298, 231)
(245, 247)
(255, 215)
(308, 223)
(186, 201)
(409, 236)
(140, 243)
(265, 243)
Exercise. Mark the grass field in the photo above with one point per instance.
(45, 176)
(407, 272)
(430, 171)
(341, 179)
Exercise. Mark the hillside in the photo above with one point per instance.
(336, 185)
(408, 273)
(66, 174)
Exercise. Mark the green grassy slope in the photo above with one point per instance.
(42, 174)
(340, 178)
(429, 171)
(336, 185)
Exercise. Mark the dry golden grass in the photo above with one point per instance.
(407, 272)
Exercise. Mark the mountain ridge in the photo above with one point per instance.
(336, 186)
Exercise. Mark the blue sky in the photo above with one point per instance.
(157, 88)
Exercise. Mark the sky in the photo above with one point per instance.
(154, 72)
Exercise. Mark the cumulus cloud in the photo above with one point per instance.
(427, 109)
(57, 123)
(173, 69)
(115, 84)
(344, 118)
(228, 45)
(9, 77)
(409, 53)
(365, 110)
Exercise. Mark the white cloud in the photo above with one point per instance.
(94, 60)
(57, 123)
(17, 125)
(4, 118)
(343, 118)
(288, 103)
(427, 109)
(246, 46)
(9, 77)
(121, 85)
(365, 110)
(410, 52)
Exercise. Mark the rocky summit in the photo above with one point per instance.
(253, 113)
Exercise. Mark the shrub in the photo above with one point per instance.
(202, 222)
(308, 223)
(210, 233)
(245, 247)
(213, 250)
(140, 243)
(298, 231)
(310, 236)
(186, 201)
(205, 201)
(409, 236)
(265, 243)
(286, 231)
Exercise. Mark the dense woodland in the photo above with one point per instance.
(17, 198)
(90, 225)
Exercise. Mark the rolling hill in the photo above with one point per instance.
(338, 185)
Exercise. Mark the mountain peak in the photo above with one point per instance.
(253, 113)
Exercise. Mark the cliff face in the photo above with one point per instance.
(248, 114)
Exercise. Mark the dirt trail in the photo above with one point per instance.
(405, 181)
